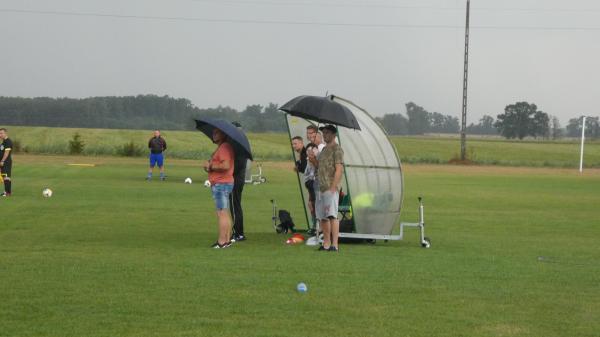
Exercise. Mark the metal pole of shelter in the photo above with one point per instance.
(582, 142)
(287, 124)
(463, 128)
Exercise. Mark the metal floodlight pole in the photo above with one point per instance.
(463, 128)
(582, 142)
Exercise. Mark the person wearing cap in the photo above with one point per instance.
(330, 167)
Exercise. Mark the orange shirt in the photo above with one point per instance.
(223, 152)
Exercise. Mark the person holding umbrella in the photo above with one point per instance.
(220, 175)
(232, 144)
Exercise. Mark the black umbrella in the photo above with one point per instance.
(322, 110)
(237, 137)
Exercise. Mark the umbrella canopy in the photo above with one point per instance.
(238, 137)
(322, 110)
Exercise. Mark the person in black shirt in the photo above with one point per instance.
(298, 146)
(157, 146)
(6, 161)
(235, 197)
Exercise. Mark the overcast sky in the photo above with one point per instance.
(380, 54)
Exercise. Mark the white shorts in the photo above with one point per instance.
(326, 205)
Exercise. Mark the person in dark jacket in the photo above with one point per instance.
(6, 146)
(157, 146)
(235, 197)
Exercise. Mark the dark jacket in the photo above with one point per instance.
(157, 144)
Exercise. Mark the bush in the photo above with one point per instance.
(76, 145)
(16, 146)
(130, 149)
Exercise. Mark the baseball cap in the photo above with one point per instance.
(329, 127)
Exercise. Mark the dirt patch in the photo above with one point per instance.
(456, 161)
(495, 170)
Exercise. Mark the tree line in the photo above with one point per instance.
(131, 112)
(519, 120)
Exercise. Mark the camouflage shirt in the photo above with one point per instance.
(328, 158)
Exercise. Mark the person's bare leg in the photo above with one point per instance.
(335, 231)
(326, 228)
(224, 226)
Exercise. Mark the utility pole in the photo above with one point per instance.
(463, 127)
(582, 142)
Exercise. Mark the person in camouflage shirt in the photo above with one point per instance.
(330, 167)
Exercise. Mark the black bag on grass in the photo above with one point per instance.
(286, 224)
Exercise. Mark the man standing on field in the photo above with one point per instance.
(157, 146)
(5, 161)
(235, 198)
(330, 166)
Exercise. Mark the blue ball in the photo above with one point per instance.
(301, 287)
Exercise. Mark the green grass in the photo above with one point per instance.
(432, 150)
(113, 255)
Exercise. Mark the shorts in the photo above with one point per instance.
(156, 159)
(220, 194)
(311, 191)
(326, 206)
(6, 169)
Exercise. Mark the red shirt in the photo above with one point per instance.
(223, 152)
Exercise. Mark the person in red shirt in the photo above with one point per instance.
(220, 175)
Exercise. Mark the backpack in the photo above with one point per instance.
(286, 224)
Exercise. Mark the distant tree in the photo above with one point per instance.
(484, 127)
(540, 125)
(443, 123)
(555, 130)
(273, 119)
(521, 120)
(592, 127)
(394, 124)
(418, 119)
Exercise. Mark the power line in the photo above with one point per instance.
(390, 6)
(294, 23)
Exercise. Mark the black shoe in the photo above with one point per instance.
(238, 237)
(321, 248)
(333, 249)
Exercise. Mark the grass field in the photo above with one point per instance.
(275, 147)
(514, 253)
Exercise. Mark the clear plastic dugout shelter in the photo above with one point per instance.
(372, 179)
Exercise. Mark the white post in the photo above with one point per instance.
(582, 141)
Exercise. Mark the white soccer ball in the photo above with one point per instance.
(47, 193)
(207, 183)
(188, 180)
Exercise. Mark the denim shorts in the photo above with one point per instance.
(220, 194)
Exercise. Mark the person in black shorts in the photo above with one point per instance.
(5, 161)
(235, 197)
